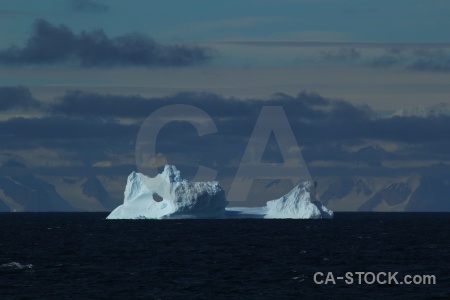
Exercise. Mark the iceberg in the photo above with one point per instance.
(169, 196)
(299, 203)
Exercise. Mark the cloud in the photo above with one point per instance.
(337, 137)
(49, 44)
(342, 54)
(89, 6)
(17, 98)
(314, 119)
(80, 103)
(431, 59)
(59, 127)
(417, 57)
(68, 171)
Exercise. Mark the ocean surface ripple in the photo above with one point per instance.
(84, 256)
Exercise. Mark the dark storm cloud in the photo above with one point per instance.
(88, 124)
(17, 98)
(315, 119)
(90, 6)
(59, 127)
(80, 103)
(418, 59)
(398, 129)
(50, 44)
(69, 171)
(411, 129)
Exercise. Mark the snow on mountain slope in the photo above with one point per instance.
(423, 111)
(4, 207)
(25, 192)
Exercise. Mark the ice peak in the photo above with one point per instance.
(308, 185)
(171, 174)
(299, 203)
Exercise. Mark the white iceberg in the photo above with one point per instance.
(168, 195)
(299, 203)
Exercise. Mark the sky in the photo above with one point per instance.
(79, 77)
(389, 54)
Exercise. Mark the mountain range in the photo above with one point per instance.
(20, 192)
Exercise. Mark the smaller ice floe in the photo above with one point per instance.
(299, 203)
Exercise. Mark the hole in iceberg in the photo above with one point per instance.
(157, 197)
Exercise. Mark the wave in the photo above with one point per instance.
(16, 265)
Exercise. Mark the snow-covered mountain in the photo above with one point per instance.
(4, 207)
(432, 195)
(93, 188)
(414, 193)
(22, 192)
(423, 111)
(392, 195)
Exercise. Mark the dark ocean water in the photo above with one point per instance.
(84, 256)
